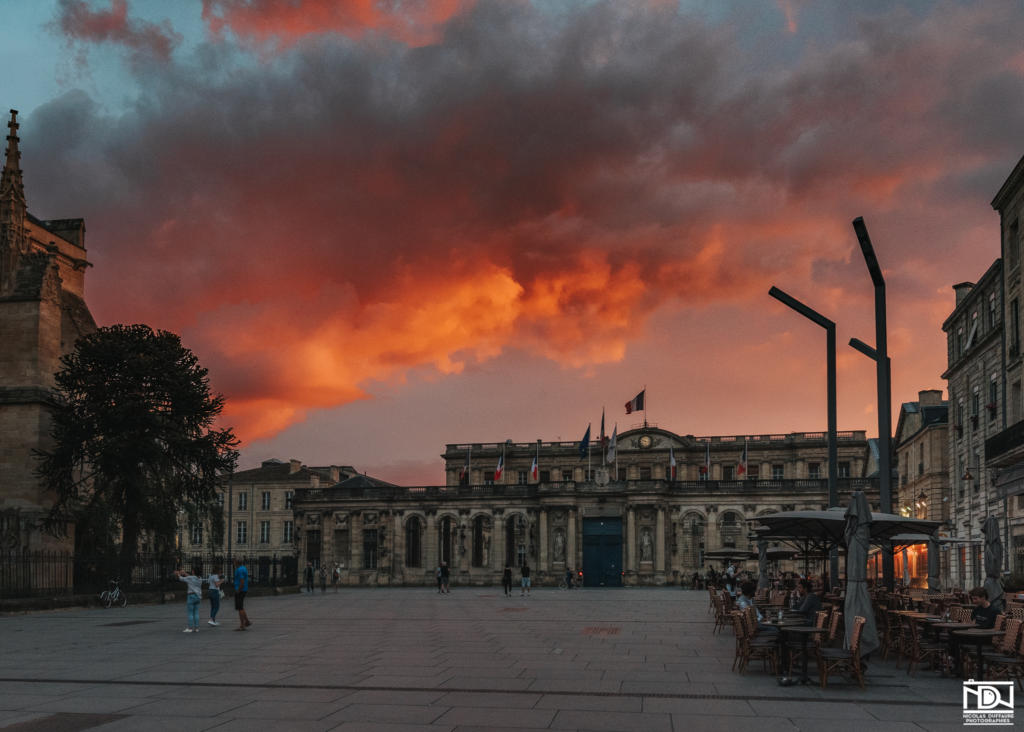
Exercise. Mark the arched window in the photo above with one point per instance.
(693, 540)
(413, 542)
(481, 542)
(447, 536)
(732, 530)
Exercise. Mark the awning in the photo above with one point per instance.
(1010, 481)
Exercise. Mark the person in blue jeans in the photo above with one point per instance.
(193, 599)
(241, 587)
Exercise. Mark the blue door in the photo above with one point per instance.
(602, 552)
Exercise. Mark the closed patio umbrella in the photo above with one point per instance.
(933, 564)
(993, 561)
(858, 602)
(906, 568)
(762, 566)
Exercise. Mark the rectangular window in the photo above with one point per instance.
(993, 399)
(489, 478)
(220, 500)
(668, 472)
(960, 419)
(289, 497)
(264, 532)
(521, 477)
(243, 501)
(993, 313)
(289, 529)
(197, 534)
(645, 473)
(242, 533)
(1020, 503)
(959, 343)
(778, 471)
(266, 500)
(754, 470)
(844, 469)
(622, 473)
(1013, 244)
(566, 475)
(727, 472)
(370, 549)
(545, 476)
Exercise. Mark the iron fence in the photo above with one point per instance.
(55, 573)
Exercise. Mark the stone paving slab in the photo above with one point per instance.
(399, 659)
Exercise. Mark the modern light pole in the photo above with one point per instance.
(833, 450)
(880, 355)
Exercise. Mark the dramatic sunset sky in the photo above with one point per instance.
(386, 225)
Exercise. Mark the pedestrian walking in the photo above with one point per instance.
(336, 576)
(323, 580)
(525, 572)
(192, 599)
(445, 578)
(241, 588)
(308, 576)
(214, 581)
(437, 575)
(506, 579)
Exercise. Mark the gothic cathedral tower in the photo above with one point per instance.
(42, 314)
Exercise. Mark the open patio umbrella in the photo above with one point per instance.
(825, 529)
(993, 562)
(858, 602)
(763, 582)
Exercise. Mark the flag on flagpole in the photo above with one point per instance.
(535, 469)
(585, 443)
(501, 466)
(636, 404)
(741, 469)
(464, 475)
(611, 445)
(705, 469)
(672, 463)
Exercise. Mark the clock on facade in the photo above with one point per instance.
(645, 441)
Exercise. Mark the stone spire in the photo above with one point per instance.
(12, 190)
(12, 210)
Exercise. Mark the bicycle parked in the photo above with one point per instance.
(114, 595)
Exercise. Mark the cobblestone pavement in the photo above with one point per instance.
(410, 659)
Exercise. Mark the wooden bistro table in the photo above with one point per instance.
(803, 632)
(980, 637)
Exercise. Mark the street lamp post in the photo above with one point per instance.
(880, 355)
(833, 450)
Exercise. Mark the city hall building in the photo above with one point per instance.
(637, 520)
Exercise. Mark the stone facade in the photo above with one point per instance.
(921, 443)
(258, 514)
(644, 529)
(42, 314)
(975, 366)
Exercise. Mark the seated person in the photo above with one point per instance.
(746, 599)
(809, 603)
(984, 613)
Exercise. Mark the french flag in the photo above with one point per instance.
(636, 404)
(534, 474)
(742, 467)
(705, 469)
(501, 467)
(672, 462)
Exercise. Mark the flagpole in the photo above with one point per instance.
(503, 463)
(469, 466)
(645, 406)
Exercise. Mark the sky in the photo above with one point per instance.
(387, 225)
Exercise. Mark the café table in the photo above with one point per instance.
(803, 632)
(954, 644)
(980, 636)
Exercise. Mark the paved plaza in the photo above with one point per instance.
(410, 659)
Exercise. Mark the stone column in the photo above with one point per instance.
(570, 541)
(430, 544)
(542, 552)
(630, 539)
(659, 541)
(355, 539)
(498, 544)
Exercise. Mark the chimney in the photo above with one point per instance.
(929, 397)
(294, 466)
(314, 480)
(335, 474)
(962, 290)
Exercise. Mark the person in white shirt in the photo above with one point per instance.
(193, 599)
(214, 581)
